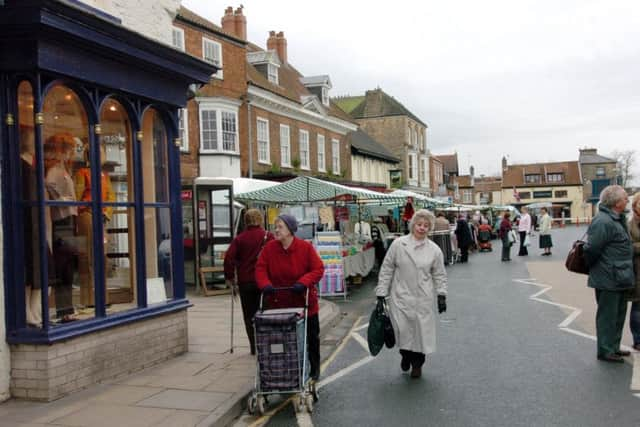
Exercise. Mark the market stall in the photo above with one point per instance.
(335, 217)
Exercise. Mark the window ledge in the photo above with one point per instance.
(219, 153)
(262, 162)
(83, 327)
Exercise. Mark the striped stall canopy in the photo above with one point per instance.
(309, 189)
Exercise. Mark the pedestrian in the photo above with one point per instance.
(503, 233)
(240, 267)
(464, 238)
(609, 256)
(545, 232)
(290, 262)
(412, 274)
(442, 223)
(524, 229)
(634, 295)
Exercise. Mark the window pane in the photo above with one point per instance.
(155, 166)
(116, 155)
(285, 146)
(304, 149)
(158, 255)
(209, 130)
(263, 140)
(228, 131)
(68, 233)
(321, 162)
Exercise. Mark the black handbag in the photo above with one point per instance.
(576, 261)
(380, 331)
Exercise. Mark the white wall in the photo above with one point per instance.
(366, 169)
(220, 165)
(152, 18)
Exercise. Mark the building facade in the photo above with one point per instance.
(488, 190)
(371, 162)
(558, 184)
(597, 172)
(90, 183)
(400, 131)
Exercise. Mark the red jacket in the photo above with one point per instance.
(243, 252)
(278, 267)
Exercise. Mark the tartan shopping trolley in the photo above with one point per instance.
(282, 362)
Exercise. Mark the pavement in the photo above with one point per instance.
(207, 386)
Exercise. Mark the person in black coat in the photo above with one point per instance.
(463, 235)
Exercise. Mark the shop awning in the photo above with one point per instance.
(309, 189)
(430, 201)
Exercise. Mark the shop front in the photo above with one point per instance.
(92, 220)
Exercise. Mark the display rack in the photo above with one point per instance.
(329, 247)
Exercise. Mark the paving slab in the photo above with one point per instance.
(185, 399)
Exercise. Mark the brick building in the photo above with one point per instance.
(389, 122)
(259, 116)
(436, 174)
(450, 175)
(488, 190)
(597, 172)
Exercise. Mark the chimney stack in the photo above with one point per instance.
(278, 43)
(229, 21)
(504, 163)
(240, 24)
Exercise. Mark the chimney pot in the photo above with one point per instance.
(228, 21)
(240, 24)
(278, 43)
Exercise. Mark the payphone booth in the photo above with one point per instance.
(207, 209)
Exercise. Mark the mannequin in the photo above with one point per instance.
(85, 221)
(58, 151)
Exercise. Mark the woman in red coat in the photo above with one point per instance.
(289, 261)
(240, 263)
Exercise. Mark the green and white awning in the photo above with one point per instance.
(309, 189)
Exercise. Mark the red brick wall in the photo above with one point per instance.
(275, 120)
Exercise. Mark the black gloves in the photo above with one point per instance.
(381, 299)
(299, 288)
(268, 290)
(442, 303)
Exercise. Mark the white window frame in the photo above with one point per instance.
(183, 129)
(322, 154)
(467, 196)
(262, 141)
(423, 170)
(285, 146)
(218, 110)
(272, 73)
(424, 139)
(412, 173)
(303, 142)
(175, 31)
(335, 156)
(325, 96)
(215, 61)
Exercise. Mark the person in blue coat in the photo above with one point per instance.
(609, 256)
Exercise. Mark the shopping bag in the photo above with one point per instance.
(512, 236)
(527, 240)
(389, 334)
(375, 331)
(576, 261)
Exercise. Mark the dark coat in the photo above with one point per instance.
(609, 252)
(634, 231)
(242, 255)
(463, 234)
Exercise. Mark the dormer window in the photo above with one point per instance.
(555, 177)
(532, 179)
(318, 86)
(272, 73)
(325, 96)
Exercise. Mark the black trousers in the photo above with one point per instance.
(464, 253)
(313, 345)
(250, 301)
(415, 358)
(523, 248)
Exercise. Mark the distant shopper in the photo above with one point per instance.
(503, 232)
(464, 238)
(634, 295)
(240, 263)
(442, 223)
(290, 262)
(524, 229)
(545, 232)
(609, 256)
(412, 274)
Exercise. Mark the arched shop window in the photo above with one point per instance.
(157, 213)
(93, 212)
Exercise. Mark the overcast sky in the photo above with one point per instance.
(530, 80)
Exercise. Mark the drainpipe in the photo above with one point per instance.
(250, 139)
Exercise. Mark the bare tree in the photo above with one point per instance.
(626, 161)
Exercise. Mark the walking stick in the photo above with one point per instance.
(233, 294)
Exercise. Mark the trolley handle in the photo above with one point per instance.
(287, 288)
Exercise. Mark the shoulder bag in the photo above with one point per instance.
(576, 261)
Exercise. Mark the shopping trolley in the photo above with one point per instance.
(282, 362)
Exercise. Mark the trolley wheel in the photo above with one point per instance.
(299, 403)
(309, 403)
(252, 403)
(261, 404)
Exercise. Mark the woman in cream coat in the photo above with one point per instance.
(412, 274)
(634, 294)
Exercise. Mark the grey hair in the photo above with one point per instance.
(635, 201)
(425, 215)
(611, 195)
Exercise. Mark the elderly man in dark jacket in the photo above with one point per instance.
(609, 255)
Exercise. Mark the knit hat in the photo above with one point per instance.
(290, 221)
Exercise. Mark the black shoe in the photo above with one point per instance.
(416, 372)
(623, 353)
(405, 364)
(613, 358)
